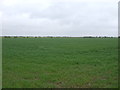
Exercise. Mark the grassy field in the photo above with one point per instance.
(60, 62)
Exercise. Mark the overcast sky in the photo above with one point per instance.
(59, 17)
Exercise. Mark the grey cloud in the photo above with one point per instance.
(65, 18)
(60, 10)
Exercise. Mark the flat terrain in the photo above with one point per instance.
(60, 62)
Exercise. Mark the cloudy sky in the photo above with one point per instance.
(59, 17)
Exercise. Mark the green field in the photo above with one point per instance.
(60, 62)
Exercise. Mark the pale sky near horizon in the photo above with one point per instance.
(59, 17)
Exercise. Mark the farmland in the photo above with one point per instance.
(60, 62)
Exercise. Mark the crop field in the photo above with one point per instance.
(60, 62)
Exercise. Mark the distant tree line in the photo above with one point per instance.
(56, 37)
(97, 37)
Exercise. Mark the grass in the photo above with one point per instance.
(0, 62)
(60, 62)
